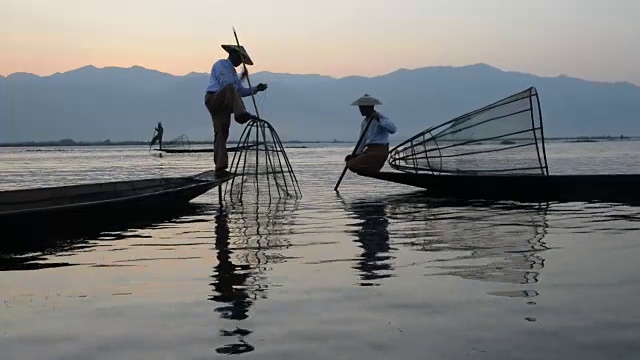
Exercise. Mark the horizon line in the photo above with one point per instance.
(263, 71)
(331, 76)
(109, 142)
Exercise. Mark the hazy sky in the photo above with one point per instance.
(593, 39)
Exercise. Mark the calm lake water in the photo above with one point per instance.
(375, 272)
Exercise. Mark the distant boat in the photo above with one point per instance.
(51, 211)
(182, 151)
(182, 145)
(441, 160)
(203, 150)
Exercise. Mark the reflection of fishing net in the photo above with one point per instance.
(263, 230)
(486, 241)
(263, 168)
(181, 142)
(501, 138)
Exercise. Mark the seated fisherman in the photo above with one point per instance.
(373, 151)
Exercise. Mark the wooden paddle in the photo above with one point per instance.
(353, 153)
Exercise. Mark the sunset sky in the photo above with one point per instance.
(592, 39)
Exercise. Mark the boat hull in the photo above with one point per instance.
(603, 188)
(28, 217)
(200, 150)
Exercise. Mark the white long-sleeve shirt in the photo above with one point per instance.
(224, 73)
(378, 132)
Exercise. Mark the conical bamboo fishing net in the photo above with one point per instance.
(261, 165)
(505, 137)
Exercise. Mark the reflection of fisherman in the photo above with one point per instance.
(229, 278)
(157, 135)
(373, 236)
(230, 285)
(373, 151)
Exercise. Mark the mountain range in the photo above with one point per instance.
(95, 104)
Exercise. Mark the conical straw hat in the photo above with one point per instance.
(366, 100)
(241, 50)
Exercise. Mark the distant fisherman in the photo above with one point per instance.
(159, 131)
(373, 151)
(223, 98)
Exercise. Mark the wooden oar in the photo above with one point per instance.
(152, 136)
(353, 153)
(244, 66)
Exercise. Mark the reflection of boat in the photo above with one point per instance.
(39, 255)
(510, 164)
(49, 211)
(486, 241)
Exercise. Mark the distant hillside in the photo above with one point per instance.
(95, 104)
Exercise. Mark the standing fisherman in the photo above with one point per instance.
(157, 136)
(224, 97)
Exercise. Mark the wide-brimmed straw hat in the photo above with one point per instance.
(366, 100)
(241, 50)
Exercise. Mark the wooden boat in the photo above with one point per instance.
(620, 188)
(497, 153)
(183, 151)
(60, 210)
(182, 145)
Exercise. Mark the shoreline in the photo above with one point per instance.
(72, 143)
(142, 143)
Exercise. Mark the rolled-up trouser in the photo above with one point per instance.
(372, 159)
(221, 105)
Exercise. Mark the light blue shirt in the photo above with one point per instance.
(224, 73)
(378, 132)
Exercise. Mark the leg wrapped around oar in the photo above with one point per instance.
(372, 159)
(221, 105)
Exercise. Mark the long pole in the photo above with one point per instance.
(353, 152)
(244, 66)
(151, 143)
(255, 106)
